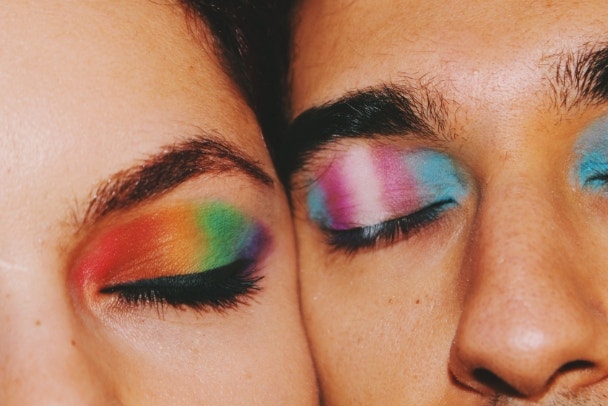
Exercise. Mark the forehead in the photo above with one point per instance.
(94, 50)
(464, 47)
(90, 88)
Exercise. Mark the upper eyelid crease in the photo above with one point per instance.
(166, 170)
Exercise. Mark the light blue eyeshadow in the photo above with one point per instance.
(437, 174)
(592, 151)
(317, 205)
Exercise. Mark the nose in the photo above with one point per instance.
(44, 357)
(530, 320)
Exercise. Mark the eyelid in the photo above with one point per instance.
(367, 185)
(218, 289)
(186, 238)
(387, 232)
(591, 151)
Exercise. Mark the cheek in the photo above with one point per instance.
(394, 312)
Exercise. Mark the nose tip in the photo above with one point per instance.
(531, 320)
(524, 363)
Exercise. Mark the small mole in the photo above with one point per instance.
(38, 322)
(73, 342)
(417, 301)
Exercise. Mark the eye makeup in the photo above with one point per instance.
(196, 250)
(591, 169)
(366, 185)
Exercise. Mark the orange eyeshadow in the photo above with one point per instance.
(185, 239)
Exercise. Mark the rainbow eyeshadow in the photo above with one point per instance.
(179, 240)
(366, 185)
(592, 152)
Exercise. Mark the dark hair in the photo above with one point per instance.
(252, 40)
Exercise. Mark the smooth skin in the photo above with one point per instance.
(503, 300)
(90, 89)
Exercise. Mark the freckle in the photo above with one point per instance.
(37, 323)
(390, 301)
(73, 342)
(417, 301)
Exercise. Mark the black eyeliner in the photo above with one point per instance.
(355, 239)
(219, 288)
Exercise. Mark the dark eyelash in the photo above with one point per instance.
(597, 177)
(355, 239)
(217, 289)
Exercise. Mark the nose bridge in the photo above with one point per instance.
(43, 360)
(523, 320)
(520, 226)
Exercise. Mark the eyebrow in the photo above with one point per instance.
(164, 171)
(580, 76)
(576, 77)
(384, 110)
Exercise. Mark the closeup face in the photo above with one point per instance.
(450, 186)
(146, 254)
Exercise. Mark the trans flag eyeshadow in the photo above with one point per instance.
(366, 185)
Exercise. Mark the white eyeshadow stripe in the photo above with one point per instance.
(361, 178)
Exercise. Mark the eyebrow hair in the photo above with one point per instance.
(580, 76)
(162, 172)
(384, 110)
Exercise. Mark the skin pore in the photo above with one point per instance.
(146, 252)
(449, 178)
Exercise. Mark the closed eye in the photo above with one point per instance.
(217, 289)
(598, 180)
(385, 233)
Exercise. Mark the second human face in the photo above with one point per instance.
(450, 185)
(146, 252)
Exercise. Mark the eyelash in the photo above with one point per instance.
(217, 289)
(601, 177)
(355, 239)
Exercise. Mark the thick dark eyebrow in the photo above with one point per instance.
(162, 172)
(576, 78)
(580, 76)
(384, 110)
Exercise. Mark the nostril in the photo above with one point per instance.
(492, 381)
(575, 366)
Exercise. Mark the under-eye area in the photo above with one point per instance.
(369, 195)
(202, 256)
(591, 168)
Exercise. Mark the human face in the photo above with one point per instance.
(450, 169)
(128, 158)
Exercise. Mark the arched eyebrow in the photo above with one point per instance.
(166, 170)
(415, 111)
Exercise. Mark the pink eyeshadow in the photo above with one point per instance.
(334, 183)
(399, 182)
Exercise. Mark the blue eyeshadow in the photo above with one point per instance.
(592, 151)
